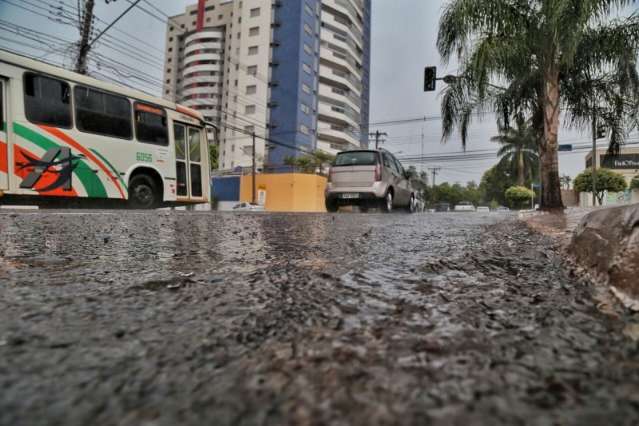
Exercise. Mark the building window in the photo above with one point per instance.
(252, 51)
(249, 129)
(249, 109)
(251, 90)
(305, 109)
(308, 49)
(251, 70)
(47, 101)
(307, 69)
(254, 31)
(308, 29)
(304, 129)
(255, 12)
(306, 89)
(308, 9)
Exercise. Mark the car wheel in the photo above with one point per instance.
(142, 193)
(331, 206)
(410, 208)
(386, 203)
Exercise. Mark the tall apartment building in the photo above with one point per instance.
(295, 72)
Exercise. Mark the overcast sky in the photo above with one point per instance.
(403, 43)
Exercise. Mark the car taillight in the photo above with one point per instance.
(378, 173)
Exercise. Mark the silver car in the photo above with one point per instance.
(369, 178)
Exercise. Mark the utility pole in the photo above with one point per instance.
(421, 165)
(594, 158)
(86, 29)
(85, 37)
(378, 135)
(435, 172)
(253, 171)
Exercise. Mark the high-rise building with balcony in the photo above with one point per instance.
(294, 72)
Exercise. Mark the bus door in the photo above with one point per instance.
(4, 142)
(188, 160)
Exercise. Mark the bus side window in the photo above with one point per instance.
(151, 124)
(102, 113)
(47, 101)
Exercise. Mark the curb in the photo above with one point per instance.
(606, 243)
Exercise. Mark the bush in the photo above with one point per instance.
(518, 197)
(634, 184)
(607, 180)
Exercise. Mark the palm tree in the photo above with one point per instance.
(535, 57)
(518, 150)
(565, 181)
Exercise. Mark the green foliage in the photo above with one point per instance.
(214, 155)
(607, 180)
(310, 163)
(494, 205)
(452, 194)
(518, 196)
(634, 184)
(494, 184)
(518, 150)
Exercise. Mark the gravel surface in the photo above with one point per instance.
(178, 318)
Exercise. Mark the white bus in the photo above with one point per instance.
(65, 137)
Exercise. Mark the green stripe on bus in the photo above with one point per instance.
(115, 172)
(91, 182)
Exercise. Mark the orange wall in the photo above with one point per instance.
(289, 192)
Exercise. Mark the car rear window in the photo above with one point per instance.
(356, 158)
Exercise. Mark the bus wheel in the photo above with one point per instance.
(142, 193)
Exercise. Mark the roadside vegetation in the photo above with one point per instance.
(316, 162)
(543, 60)
(607, 181)
(519, 197)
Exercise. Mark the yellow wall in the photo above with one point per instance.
(288, 192)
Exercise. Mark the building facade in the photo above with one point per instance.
(295, 73)
(626, 163)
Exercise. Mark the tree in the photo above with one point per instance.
(518, 150)
(472, 193)
(214, 154)
(494, 184)
(534, 58)
(310, 163)
(565, 181)
(607, 180)
(634, 184)
(519, 196)
(452, 194)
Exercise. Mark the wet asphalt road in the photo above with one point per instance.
(177, 318)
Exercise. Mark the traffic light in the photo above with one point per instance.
(601, 131)
(430, 79)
